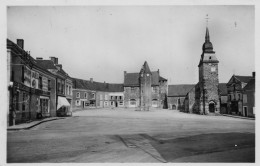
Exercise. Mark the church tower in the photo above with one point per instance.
(208, 79)
(145, 81)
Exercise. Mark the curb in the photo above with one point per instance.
(29, 127)
(240, 117)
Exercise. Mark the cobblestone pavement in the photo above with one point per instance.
(125, 135)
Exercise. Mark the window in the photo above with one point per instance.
(239, 96)
(67, 89)
(40, 82)
(132, 89)
(121, 103)
(78, 95)
(85, 95)
(229, 97)
(132, 102)
(106, 103)
(106, 97)
(244, 98)
(155, 89)
(77, 102)
(120, 97)
(101, 97)
(112, 103)
(59, 87)
(17, 101)
(154, 102)
(213, 69)
(49, 85)
(23, 102)
(62, 87)
(111, 97)
(92, 95)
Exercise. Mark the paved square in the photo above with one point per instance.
(126, 135)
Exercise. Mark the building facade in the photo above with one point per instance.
(249, 98)
(31, 88)
(63, 95)
(145, 89)
(236, 97)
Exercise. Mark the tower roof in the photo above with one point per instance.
(207, 46)
(145, 68)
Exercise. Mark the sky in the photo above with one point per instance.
(101, 42)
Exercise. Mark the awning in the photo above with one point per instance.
(62, 101)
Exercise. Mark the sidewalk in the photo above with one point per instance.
(26, 126)
(241, 117)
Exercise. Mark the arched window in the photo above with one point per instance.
(132, 102)
(154, 103)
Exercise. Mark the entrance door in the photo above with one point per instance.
(116, 103)
(245, 111)
(211, 107)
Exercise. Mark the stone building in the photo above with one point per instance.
(177, 95)
(235, 90)
(145, 89)
(204, 97)
(207, 94)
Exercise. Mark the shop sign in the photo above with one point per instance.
(27, 76)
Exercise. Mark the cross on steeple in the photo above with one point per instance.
(207, 19)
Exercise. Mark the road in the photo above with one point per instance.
(128, 136)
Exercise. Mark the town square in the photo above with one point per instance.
(131, 84)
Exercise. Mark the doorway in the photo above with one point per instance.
(245, 111)
(116, 104)
(212, 107)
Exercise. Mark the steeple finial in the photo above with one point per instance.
(207, 30)
(207, 35)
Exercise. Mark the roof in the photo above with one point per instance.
(26, 56)
(244, 79)
(179, 90)
(250, 85)
(145, 68)
(223, 89)
(162, 79)
(132, 79)
(46, 64)
(97, 86)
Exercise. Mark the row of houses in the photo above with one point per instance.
(37, 88)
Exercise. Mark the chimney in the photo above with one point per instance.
(39, 58)
(20, 43)
(91, 80)
(59, 66)
(253, 74)
(54, 60)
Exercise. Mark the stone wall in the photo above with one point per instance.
(131, 94)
